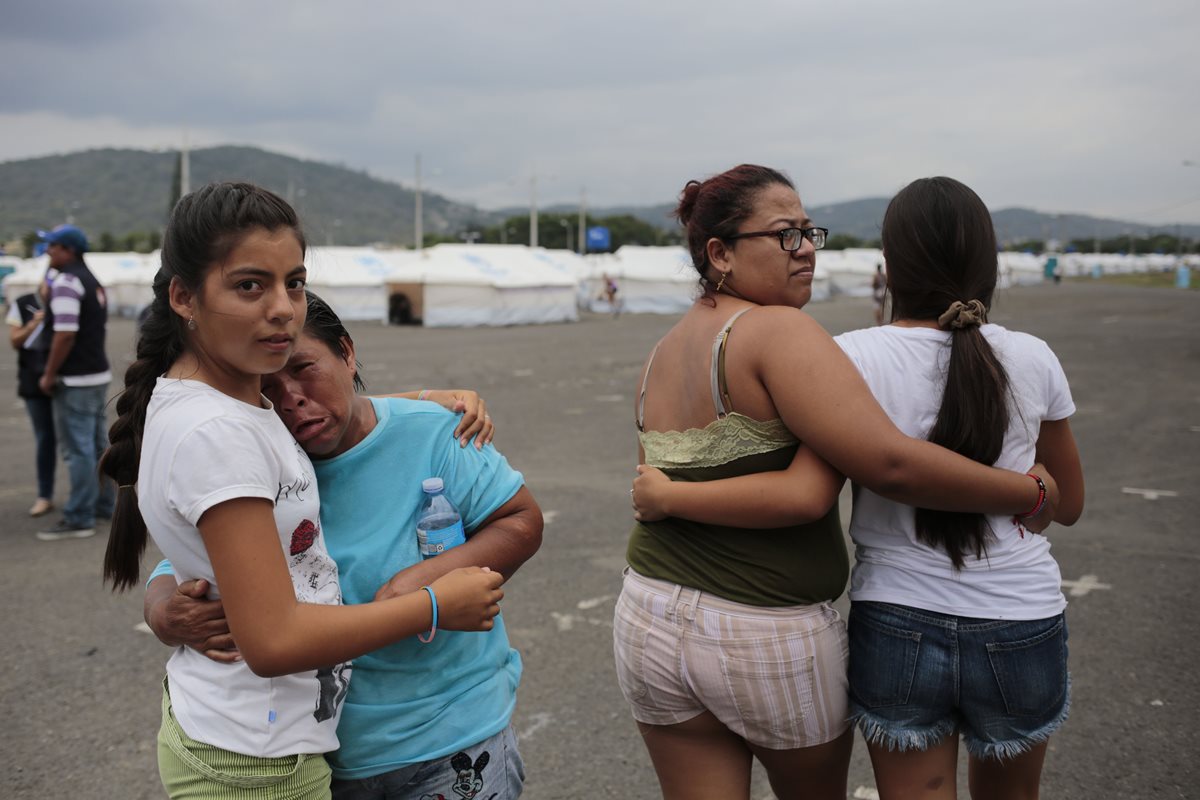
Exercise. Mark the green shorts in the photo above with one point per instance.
(198, 771)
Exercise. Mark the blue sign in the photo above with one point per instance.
(598, 238)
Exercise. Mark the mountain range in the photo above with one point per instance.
(122, 191)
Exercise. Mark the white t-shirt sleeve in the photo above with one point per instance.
(1059, 404)
(14, 315)
(224, 458)
(849, 343)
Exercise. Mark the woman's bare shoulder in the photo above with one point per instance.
(781, 320)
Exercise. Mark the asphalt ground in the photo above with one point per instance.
(80, 683)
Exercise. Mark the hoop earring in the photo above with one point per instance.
(191, 324)
(721, 282)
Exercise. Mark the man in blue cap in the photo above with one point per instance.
(77, 377)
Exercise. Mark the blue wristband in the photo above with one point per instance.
(433, 626)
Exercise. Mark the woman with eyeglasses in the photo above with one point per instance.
(726, 645)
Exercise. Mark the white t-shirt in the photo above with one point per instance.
(1017, 578)
(201, 448)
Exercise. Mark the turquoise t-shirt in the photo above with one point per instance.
(412, 702)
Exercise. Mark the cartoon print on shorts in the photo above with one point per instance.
(334, 683)
(469, 779)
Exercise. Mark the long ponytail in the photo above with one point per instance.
(940, 247)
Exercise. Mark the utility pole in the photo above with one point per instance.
(533, 220)
(582, 240)
(418, 231)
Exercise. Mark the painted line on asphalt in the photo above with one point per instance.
(549, 516)
(536, 723)
(567, 622)
(584, 605)
(1085, 584)
(865, 793)
(142, 627)
(1150, 494)
(609, 398)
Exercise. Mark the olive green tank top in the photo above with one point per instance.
(794, 565)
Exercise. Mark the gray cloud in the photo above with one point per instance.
(1072, 107)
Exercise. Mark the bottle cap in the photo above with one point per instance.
(432, 485)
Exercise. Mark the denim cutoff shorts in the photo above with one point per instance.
(917, 676)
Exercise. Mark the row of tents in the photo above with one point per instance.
(492, 285)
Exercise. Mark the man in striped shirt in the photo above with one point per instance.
(77, 377)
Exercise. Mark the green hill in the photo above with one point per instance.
(122, 192)
(130, 191)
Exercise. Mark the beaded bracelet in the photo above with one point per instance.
(433, 626)
(1041, 501)
(421, 395)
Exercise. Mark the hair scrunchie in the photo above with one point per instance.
(963, 315)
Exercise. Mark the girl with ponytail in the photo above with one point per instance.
(979, 593)
(206, 468)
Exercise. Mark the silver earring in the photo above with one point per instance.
(191, 324)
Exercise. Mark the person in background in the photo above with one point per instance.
(77, 377)
(878, 292)
(611, 289)
(726, 643)
(28, 336)
(421, 720)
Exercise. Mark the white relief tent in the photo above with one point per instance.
(451, 285)
(650, 280)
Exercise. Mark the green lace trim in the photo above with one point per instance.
(719, 442)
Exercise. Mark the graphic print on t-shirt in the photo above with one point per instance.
(334, 684)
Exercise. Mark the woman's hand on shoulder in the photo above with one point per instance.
(475, 423)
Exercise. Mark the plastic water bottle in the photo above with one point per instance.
(439, 525)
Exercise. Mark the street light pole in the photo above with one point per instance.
(582, 221)
(533, 217)
(418, 231)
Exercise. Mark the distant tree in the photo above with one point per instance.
(840, 241)
(558, 230)
(107, 243)
(627, 229)
(1031, 245)
(130, 241)
(430, 239)
(153, 241)
(514, 230)
(29, 241)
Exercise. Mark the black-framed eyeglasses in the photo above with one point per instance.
(790, 239)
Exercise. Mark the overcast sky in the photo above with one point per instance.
(1062, 106)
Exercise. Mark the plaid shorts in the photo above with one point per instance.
(774, 676)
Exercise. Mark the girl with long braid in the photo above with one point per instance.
(208, 468)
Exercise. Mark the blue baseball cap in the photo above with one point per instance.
(67, 236)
